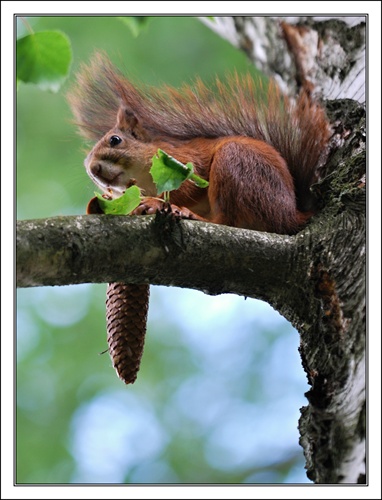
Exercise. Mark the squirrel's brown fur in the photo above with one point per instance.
(214, 122)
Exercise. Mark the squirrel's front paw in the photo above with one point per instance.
(181, 213)
(149, 206)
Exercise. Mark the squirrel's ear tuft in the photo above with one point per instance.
(128, 122)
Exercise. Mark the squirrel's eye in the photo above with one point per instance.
(115, 140)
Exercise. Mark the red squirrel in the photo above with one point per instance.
(258, 149)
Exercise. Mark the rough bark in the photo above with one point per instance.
(316, 279)
(328, 52)
(148, 249)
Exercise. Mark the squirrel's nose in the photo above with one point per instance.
(103, 170)
(96, 169)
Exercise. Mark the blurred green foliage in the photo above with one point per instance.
(43, 58)
(218, 394)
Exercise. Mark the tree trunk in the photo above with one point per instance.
(316, 279)
(328, 59)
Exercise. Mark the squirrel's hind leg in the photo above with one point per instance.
(251, 187)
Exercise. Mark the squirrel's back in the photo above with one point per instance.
(298, 129)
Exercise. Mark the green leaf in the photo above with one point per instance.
(169, 173)
(123, 205)
(135, 23)
(202, 183)
(44, 59)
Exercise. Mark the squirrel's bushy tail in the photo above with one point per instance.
(298, 129)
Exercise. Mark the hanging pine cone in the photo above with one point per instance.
(126, 316)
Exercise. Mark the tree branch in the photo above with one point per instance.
(149, 249)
